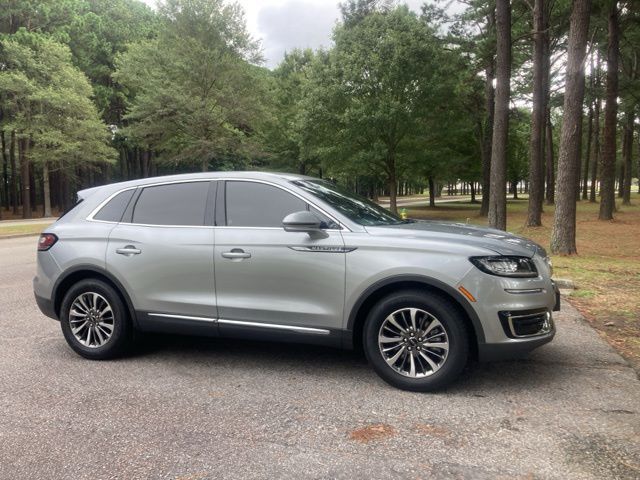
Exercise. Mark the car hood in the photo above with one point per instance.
(503, 243)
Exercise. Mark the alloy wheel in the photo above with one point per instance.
(91, 319)
(413, 342)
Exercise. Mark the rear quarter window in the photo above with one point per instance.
(114, 209)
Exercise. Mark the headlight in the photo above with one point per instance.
(506, 266)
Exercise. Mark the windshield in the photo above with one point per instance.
(352, 206)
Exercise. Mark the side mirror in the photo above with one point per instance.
(303, 221)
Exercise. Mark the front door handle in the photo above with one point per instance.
(128, 251)
(236, 254)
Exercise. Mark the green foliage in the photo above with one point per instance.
(47, 100)
(196, 98)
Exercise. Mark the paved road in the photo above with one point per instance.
(192, 409)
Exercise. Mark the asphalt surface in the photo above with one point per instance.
(191, 409)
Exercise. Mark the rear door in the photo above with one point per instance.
(162, 252)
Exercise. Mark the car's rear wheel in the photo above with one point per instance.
(416, 340)
(94, 320)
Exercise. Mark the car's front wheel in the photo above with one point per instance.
(94, 320)
(416, 340)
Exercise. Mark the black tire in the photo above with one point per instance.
(451, 320)
(119, 340)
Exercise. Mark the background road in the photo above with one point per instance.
(191, 409)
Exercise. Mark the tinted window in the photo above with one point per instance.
(113, 210)
(174, 204)
(355, 207)
(251, 204)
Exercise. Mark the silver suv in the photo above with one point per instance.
(291, 258)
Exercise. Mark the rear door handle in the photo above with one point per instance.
(128, 251)
(236, 253)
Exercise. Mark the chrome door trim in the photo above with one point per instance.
(323, 249)
(293, 328)
(183, 317)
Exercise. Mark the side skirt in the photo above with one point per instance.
(212, 327)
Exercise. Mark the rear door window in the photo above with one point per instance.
(181, 204)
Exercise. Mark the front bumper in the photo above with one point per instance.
(515, 313)
(491, 352)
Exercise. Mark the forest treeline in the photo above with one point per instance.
(488, 96)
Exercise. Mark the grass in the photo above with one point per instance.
(22, 229)
(606, 270)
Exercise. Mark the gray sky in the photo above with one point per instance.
(283, 25)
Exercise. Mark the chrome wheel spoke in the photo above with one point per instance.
(412, 316)
(434, 324)
(442, 345)
(413, 342)
(77, 329)
(81, 301)
(393, 322)
(412, 369)
(431, 363)
(383, 339)
(106, 326)
(391, 361)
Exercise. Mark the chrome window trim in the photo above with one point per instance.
(90, 218)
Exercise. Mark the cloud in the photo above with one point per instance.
(295, 24)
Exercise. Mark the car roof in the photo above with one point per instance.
(249, 175)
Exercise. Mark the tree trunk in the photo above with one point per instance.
(596, 140)
(536, 144)
(489, 93)
(4, 191)
(607, 175)
(432, 193)
(550, 161)
(46, 190)
(14, 173)
(486, 144)
(23, 154)
(563, 235)
(497, 195)
(628, 155)
(587, 157)
(205, 165)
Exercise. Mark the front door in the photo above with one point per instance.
(272, 280)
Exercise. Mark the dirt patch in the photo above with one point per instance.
(372, 433)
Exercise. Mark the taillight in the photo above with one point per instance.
(46, 241)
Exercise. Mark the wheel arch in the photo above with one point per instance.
(82, 272)
(373, 293)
